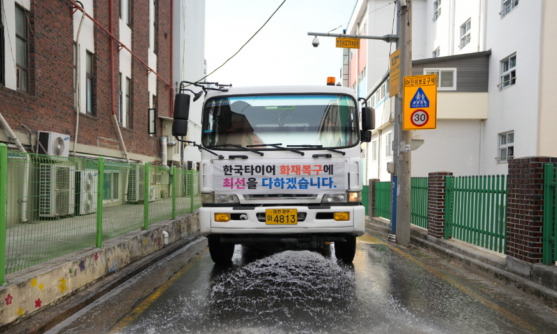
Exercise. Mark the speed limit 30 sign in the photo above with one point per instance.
(419, 102)
(419, 118)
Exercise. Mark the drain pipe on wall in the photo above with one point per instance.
(13, 137)
(164, 150)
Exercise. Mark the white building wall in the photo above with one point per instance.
(548, 73)
(452, 147)
(514, 108)
(189, 61)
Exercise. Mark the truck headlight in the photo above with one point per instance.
(334, 198)
(212, 198)
(226, 198)
(207, 198)
(349, 196)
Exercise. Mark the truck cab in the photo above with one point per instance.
(280, 165)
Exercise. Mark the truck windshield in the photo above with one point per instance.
(292, 120)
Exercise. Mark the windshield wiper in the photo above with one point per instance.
(240, 147)
(280, 147)
(318, 146)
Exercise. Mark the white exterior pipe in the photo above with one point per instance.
(12, 136)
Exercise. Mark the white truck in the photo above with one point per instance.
(279, 165)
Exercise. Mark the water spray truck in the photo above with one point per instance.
(279, 165)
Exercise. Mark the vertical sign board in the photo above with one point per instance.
(419, 102)
(394, 73)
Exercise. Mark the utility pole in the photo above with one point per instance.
(403, 139)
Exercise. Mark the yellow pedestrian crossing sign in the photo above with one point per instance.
(419, 100)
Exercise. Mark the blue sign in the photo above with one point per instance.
(419, 100)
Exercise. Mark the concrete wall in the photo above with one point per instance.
(32, 289)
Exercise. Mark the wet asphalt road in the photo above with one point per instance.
(388, 289)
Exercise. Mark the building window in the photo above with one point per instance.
(152, 121)
(130, 16)
(21, 49)
(74, 70)
(506, 146)
(436, 9)
(2, 53)
(126, 11)
(89, 84)
(507, 6)
(435, 53)
(465, 33)
(508, 71)
(111, 186)
(154, 27)
(127, 104)
(374, 150)
(446, 77)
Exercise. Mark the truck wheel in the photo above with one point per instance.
(221, 253)
(345, 250)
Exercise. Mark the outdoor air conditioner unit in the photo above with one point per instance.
(52, 143)
(56, 190)
(136, 190)
(86, 191)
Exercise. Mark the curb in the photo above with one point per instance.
(484, 260)
(49, 317)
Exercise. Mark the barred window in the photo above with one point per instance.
(22, 46)
(436, 9)
(506, 146)
(508, 71)
(507, 6)
(465, 33)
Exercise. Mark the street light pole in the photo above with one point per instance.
(403, 152)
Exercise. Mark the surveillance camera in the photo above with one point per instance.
(315, 42)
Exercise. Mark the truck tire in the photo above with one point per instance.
(345, 250)
(221, 253)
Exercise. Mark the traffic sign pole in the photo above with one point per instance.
(402, 152)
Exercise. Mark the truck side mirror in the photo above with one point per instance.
(368, 118)
(181, 115)
(365, 136)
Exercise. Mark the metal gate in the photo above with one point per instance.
(475, 210)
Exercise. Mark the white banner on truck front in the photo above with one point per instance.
(285, 176)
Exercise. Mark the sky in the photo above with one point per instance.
(282, 52)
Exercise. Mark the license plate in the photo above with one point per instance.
(281, 216)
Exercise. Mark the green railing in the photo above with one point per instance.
(365, 199)
(475, 210)
(382, 200)
(54, 206)
(549, 252)
(418, 201)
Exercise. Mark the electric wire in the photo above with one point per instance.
(246, 43)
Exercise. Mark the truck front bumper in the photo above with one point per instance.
(311, 220)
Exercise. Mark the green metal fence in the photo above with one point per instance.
(54, 206)
(365, 199)
(382, 200)
(549, 252)
(475, 210)
(418, 201)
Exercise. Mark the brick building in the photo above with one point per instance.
(97, 74)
